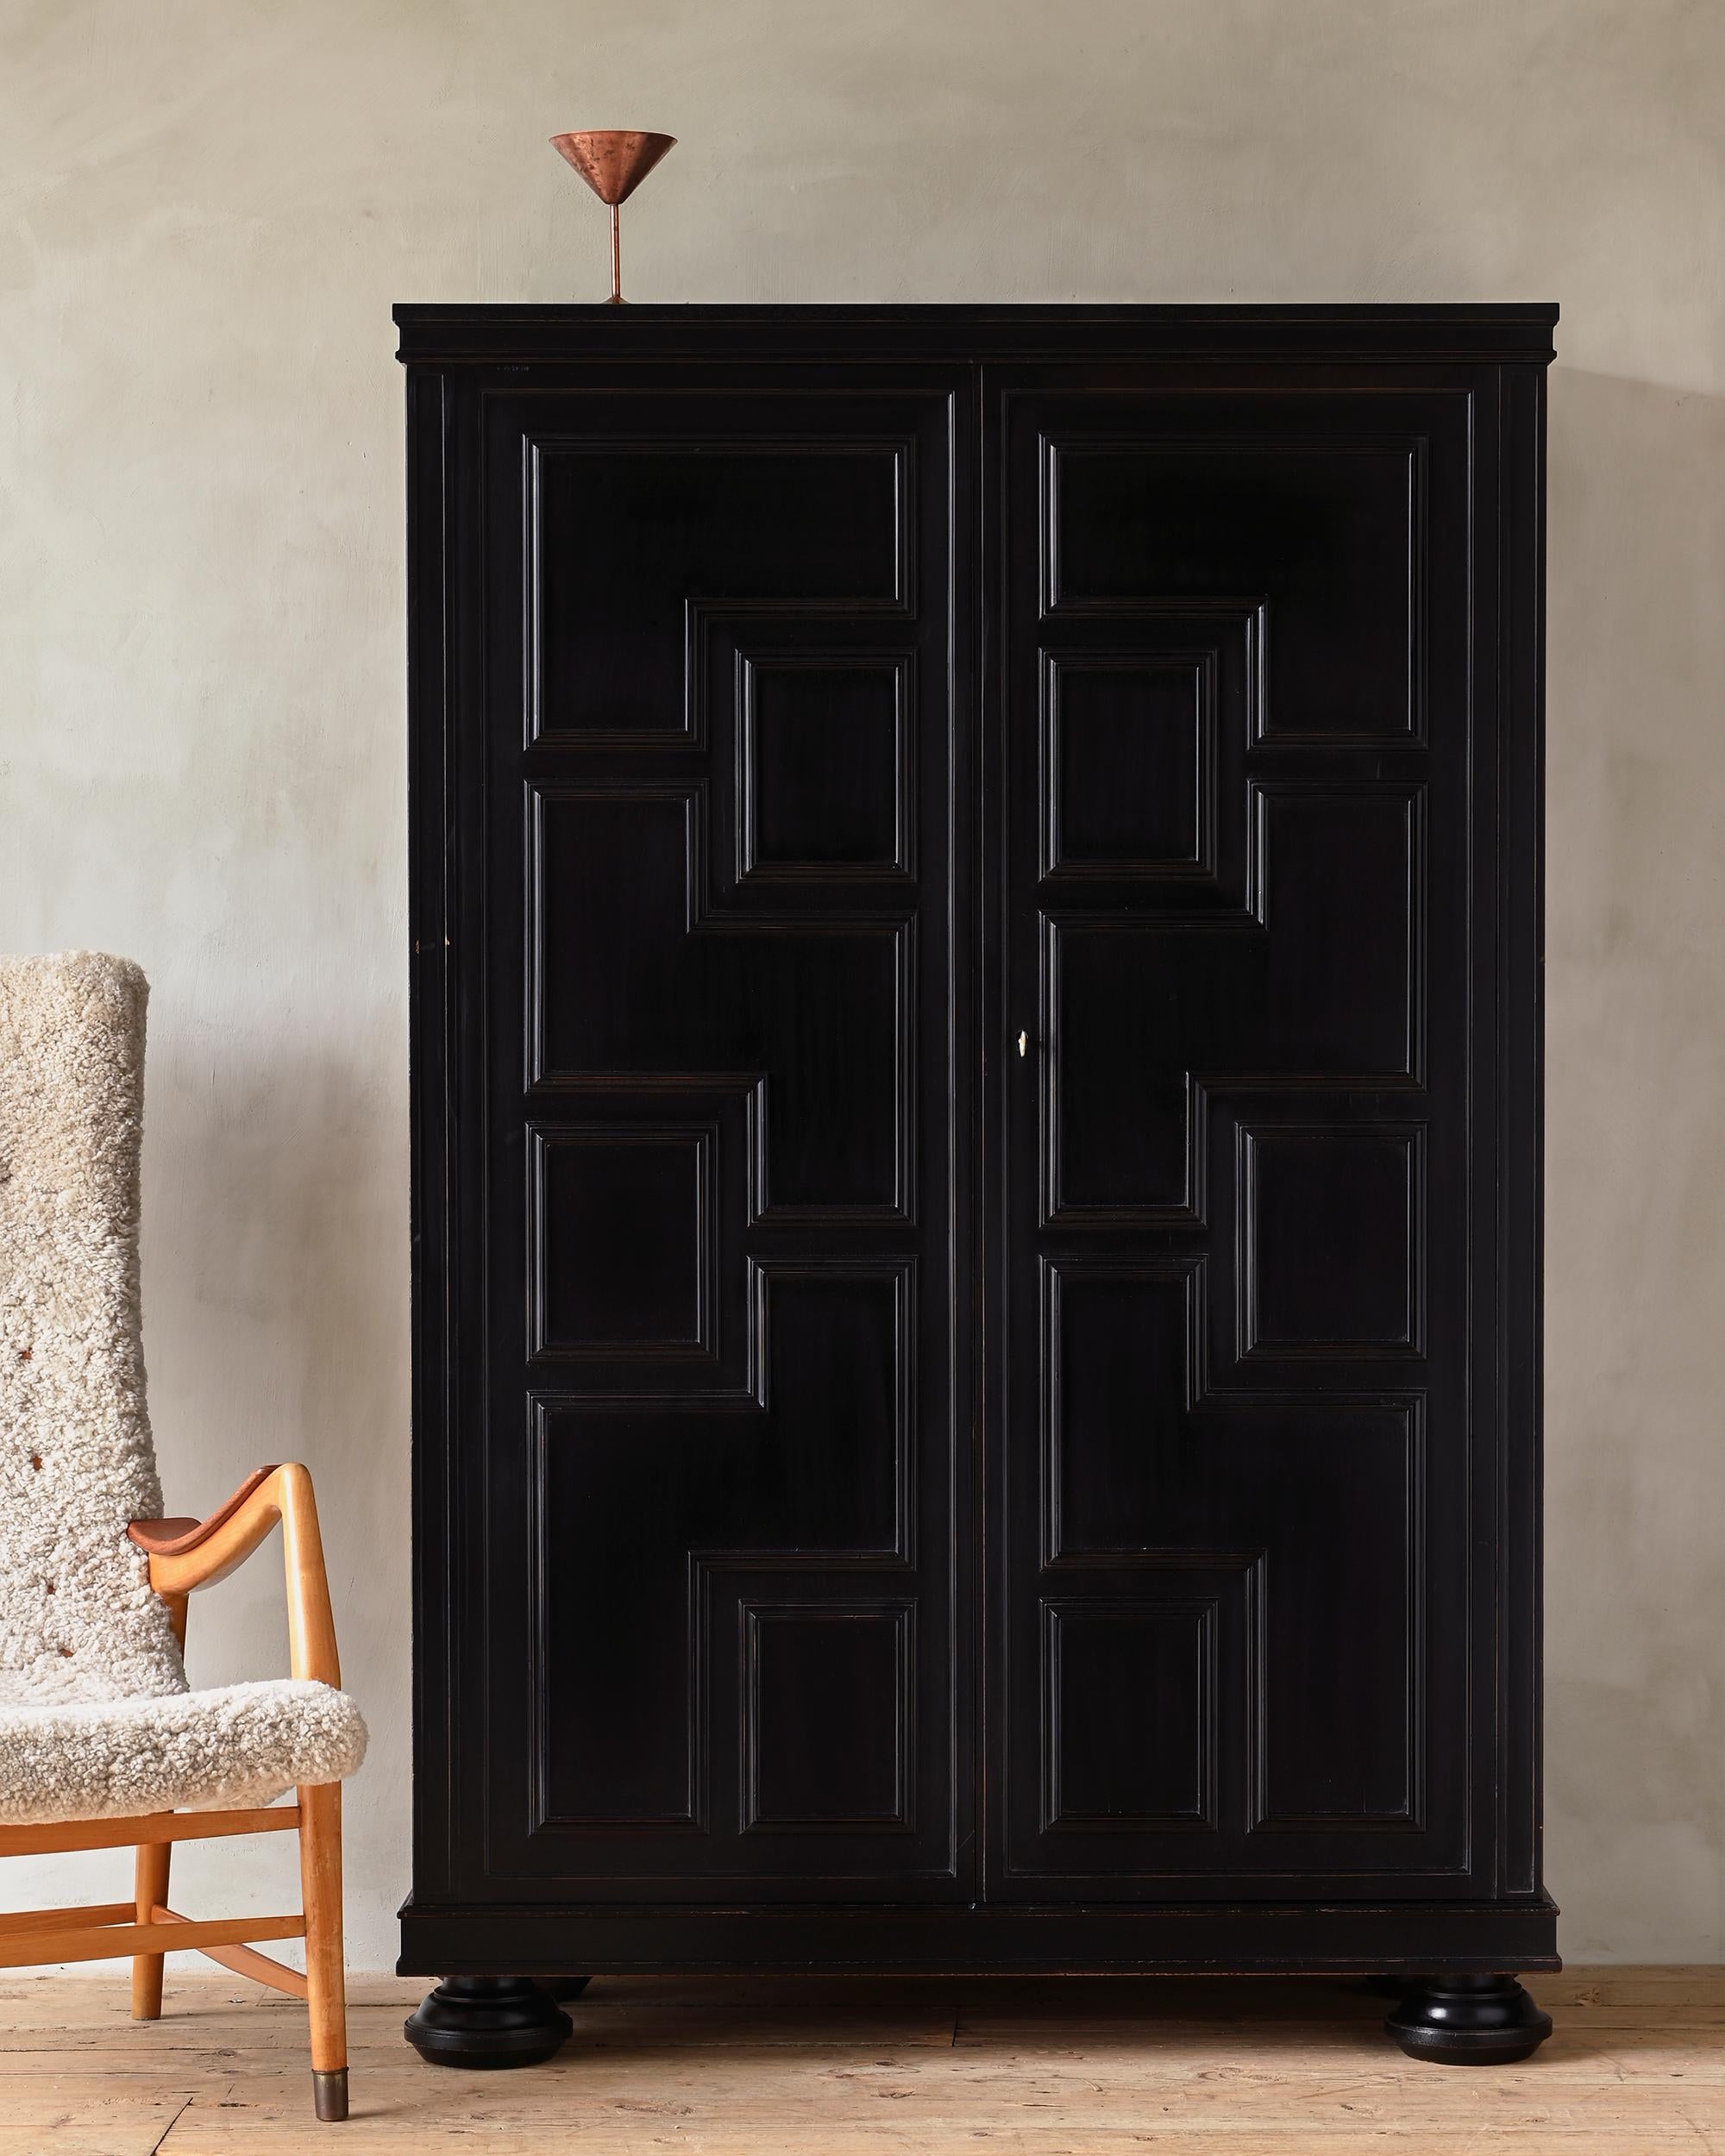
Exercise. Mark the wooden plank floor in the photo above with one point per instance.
(873, 2067)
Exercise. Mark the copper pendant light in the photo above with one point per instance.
(613, 162)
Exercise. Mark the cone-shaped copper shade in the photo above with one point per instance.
(613, 162)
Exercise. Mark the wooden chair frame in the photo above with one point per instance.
(184, 1556)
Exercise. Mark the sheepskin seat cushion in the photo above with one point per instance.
(95, 1716)
(239, 1744)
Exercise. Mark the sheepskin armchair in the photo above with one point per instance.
(97, 1721)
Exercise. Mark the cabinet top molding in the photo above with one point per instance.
(483, 334)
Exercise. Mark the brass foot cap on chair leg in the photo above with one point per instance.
(329, 2092)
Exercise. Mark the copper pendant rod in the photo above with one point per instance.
(616, 260)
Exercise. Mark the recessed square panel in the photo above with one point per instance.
(841, 1345)
(1332, 1237)
(822, 767)
(1129, 1700)
(1123, 1138)
(622, 1220)
(1340, 878)
(1130, 764)
(827, 1716)
(1119, 1338)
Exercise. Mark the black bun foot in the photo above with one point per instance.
(1468, 2021)
(487, 2021)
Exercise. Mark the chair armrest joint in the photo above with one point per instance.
(182, 1558)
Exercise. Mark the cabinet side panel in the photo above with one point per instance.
(1521, 871)
(431, 1050)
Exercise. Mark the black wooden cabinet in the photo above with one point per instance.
(976, 1058)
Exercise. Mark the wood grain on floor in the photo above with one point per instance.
(757, 2066)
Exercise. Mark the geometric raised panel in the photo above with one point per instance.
(1120, 1340)
(1123, 1141)
(841, 1380)
(1145, 716)
(1130, 764)
(626, 539)
(622, 1226)
(1129, 1702)
(1142, 1483)
(822, 765)
(1330, 1239)
(1330, 533)
(1342, 1621)
(1320, 978)
(1340, 871)
(828, 1719)
(632, 983)
(1147, 1473)
(662, 1530)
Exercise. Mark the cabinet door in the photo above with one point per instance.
(710, 1543)
(1238, 1459)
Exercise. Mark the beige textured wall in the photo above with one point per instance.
(208, 206)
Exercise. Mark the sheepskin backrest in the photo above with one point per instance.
(78, 1619)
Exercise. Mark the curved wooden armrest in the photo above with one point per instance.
(173, 1538)
(185, 1554)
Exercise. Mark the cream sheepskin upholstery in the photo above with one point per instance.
(96, 1719)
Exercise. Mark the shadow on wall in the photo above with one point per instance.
(1635, 1169)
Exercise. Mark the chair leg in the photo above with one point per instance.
(149, 1872)
(320, 1877)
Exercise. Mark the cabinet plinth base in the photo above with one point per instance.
(487, 2021)
(1406, 1940)
(1468, 2021)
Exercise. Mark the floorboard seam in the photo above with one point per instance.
(184, 2106)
